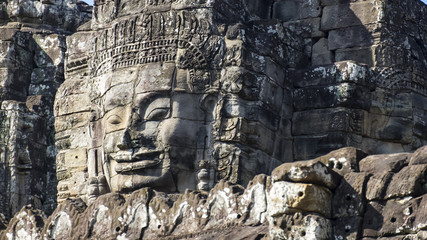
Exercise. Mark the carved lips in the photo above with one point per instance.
(126, 162)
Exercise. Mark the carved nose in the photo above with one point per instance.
(124, 142)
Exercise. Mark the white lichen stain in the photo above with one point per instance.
(296, 173)
(321, 171)
(181, 212)
(341, 160)
(122, 237)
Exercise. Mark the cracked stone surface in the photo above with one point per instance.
(202, 119)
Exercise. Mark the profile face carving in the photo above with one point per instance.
(151, 131)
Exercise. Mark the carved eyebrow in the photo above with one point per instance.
(150, 97)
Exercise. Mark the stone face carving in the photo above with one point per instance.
(163, 107)
(152, 133)
(180, 95)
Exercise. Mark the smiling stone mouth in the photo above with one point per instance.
(126, 161)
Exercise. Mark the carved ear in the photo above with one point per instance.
(209, 101)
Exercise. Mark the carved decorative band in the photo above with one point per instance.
(133, 54)
(404, 80)
(77, 65)
(408, 85)
(164, 50)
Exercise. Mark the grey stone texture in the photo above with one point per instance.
(32, 56)
(174, 96)
(165, 119)
(370, 111)
(305, 199)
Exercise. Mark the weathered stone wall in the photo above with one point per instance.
(32, 55)
(236, 72)
(356, 197)
(279, 80)
(366, 83)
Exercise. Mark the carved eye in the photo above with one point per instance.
(114, 119)
(157, 114)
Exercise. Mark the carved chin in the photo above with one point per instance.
(158, 179)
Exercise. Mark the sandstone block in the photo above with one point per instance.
(321, 54)
(25, 9)
(191, 110)
(245, 232)
(76, 158)
(72, 104)
(74, 138)
(271, 95)
(50, 51)
(354, 36)
(257, 162)
(373, 220)
(306, 28)
(312, 171)
(386, 54)
(257, 136)
(45, 74)
(274, 71)
(46, 89)
(391, 104)
(341, 95)
(235, 108)
(420, 125)
(288, 197)
(377, 185)
(371, 145)
(323, 143)
(259, 8)
(264, 64)
(421, 235)
(419, 156)
(6, 33)
(75, 120)
(420, 222)
(343, 160)
(390, 128)
(300, 226)
(3, 12)
(222, 204)
(347, 228)
(328, 120)
(410, 181)
(353, 14)
(349, 198)
(362, 55)
(72, 86)
(419, 101)
(283, 150)
(296, 9)
(384, 163)
(334, 74)
(15, 83)
(79, 42)
(398, 216)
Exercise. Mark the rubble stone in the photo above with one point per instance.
(171, 119)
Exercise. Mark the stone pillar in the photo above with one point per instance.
(32, 40)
